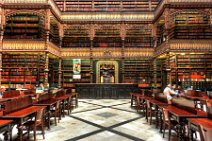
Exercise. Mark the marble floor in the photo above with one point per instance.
(103, 120)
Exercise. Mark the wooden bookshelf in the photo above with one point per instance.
(54, 34)
(137, 71)
(193, 70)
(24, 26)
(140, 37)
(107, 5)
(22, 69)
(76, 36)
(67, 73)
(192, 25)
(53, 72)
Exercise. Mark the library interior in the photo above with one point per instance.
(129, 70)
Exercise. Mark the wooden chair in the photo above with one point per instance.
(56, 112)
(37, 122)
(171, 124)
(149, 111)
(68, 105)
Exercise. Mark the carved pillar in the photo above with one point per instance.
(91, 60)
(0, 67)
(60, 73)
(47, 26)
(46, 70)
(61, 34)
(210, 11)
(2, 25)
(154, 34)
(168, 68)
(155, 75)
(92, 31)
(123, 36)
(167, 23)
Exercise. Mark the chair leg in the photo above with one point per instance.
(55, 120)
(43, 132)
(169, 133)
(164, 129)
(34, 133)
(150, 117)
(28, 130)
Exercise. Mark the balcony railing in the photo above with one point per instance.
(23, 45)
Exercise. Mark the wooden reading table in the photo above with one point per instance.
(49, 104)
(20, 116)
(181, 116)
(200, 124)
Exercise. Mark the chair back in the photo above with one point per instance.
(191, 93)
(57, 107)
(148, 104)
(30, 92)
(17, 104)
(209, 111)
(148, 93)
(43, 97)
(166, 117)
(11, 94)
(60, 93)
(39, 116)
(161, 97)
(69, 91)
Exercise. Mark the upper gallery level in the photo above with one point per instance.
(106, 10)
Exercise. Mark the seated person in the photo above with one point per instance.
(168, 91)
(41, 87)
(181, 91)
(1, 91)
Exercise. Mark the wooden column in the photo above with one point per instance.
(60, 73)
(2, 24)
(46, 70)
(123, 36)
(61, 35)
(154, 34)
(47, 27)
(155, 75)
(92, 31)
(167, 23)
(168, 68)
(122, 58)
(91, 61)
(0, 68)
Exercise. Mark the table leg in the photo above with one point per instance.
(161, 121)
(63, 107)
(156, 116)
(181, 131)
(20, 132)
(131, 100)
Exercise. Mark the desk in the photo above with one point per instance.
(105, 90)
(202, 125)
(21, 116)
(48, 103)
(5, 126)
(197, 100)
(181, 115)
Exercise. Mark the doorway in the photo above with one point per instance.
(107, 72)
